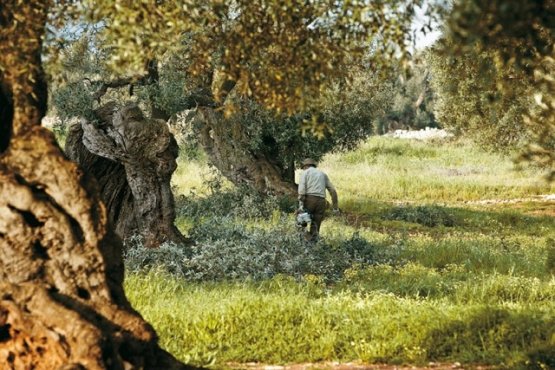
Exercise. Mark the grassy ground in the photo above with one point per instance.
(457, 279)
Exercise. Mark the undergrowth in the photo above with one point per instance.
(427, 215)
(289, 321)
(227, 250)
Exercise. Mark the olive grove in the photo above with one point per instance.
(62, 303)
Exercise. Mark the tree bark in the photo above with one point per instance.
(227, 145)
(133, 159)
(62, 304)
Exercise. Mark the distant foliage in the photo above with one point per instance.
(427, 215)
(471, 104)
(411, 102)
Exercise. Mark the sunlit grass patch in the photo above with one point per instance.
(283, 321)
(389, 169)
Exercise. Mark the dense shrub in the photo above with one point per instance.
(226, 250)
(427, 215)
(170, 257)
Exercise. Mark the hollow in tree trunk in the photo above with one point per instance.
(62, 305)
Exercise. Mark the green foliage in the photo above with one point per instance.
(349, 110)
(72, 100)
(282, 56)
(427, 215)
(411, 101)
(470, 103)
(519, 36)
(226, 250)
(75, 72)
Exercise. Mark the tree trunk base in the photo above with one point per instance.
(62, 304)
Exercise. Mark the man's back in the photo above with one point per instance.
(314, 182)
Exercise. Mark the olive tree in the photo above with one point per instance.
(62, 302)
(238, 96)
(254, 147)
(470, 102)
(519, 38)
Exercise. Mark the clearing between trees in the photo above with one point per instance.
(418, 269)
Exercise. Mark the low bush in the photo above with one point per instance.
(227, 250)
(238, 202)
(168, 257)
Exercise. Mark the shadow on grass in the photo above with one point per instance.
(433, 218)
(497, 335)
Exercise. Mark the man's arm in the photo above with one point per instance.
(302, 187)
(333, 193)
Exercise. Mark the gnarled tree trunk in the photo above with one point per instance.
(133, 159)
(62, 305)
(227, 145)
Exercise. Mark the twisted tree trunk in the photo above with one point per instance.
(133, 159)
(62, 305)
(227, 145)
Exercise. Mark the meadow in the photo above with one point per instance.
(442, 253)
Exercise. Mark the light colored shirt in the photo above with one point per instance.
(315, 182)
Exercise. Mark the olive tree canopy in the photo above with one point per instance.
(519, 37)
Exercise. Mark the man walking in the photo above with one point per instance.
(312, 194)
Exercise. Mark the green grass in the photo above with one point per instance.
(478, 289)
(385, 169)
(488, 320)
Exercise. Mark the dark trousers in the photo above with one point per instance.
(316, 206)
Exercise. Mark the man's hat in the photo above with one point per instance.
(308, 162)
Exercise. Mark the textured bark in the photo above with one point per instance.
(110, 175)
(132, 158)
(61, 269)
(62, 304)
(227, 145)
